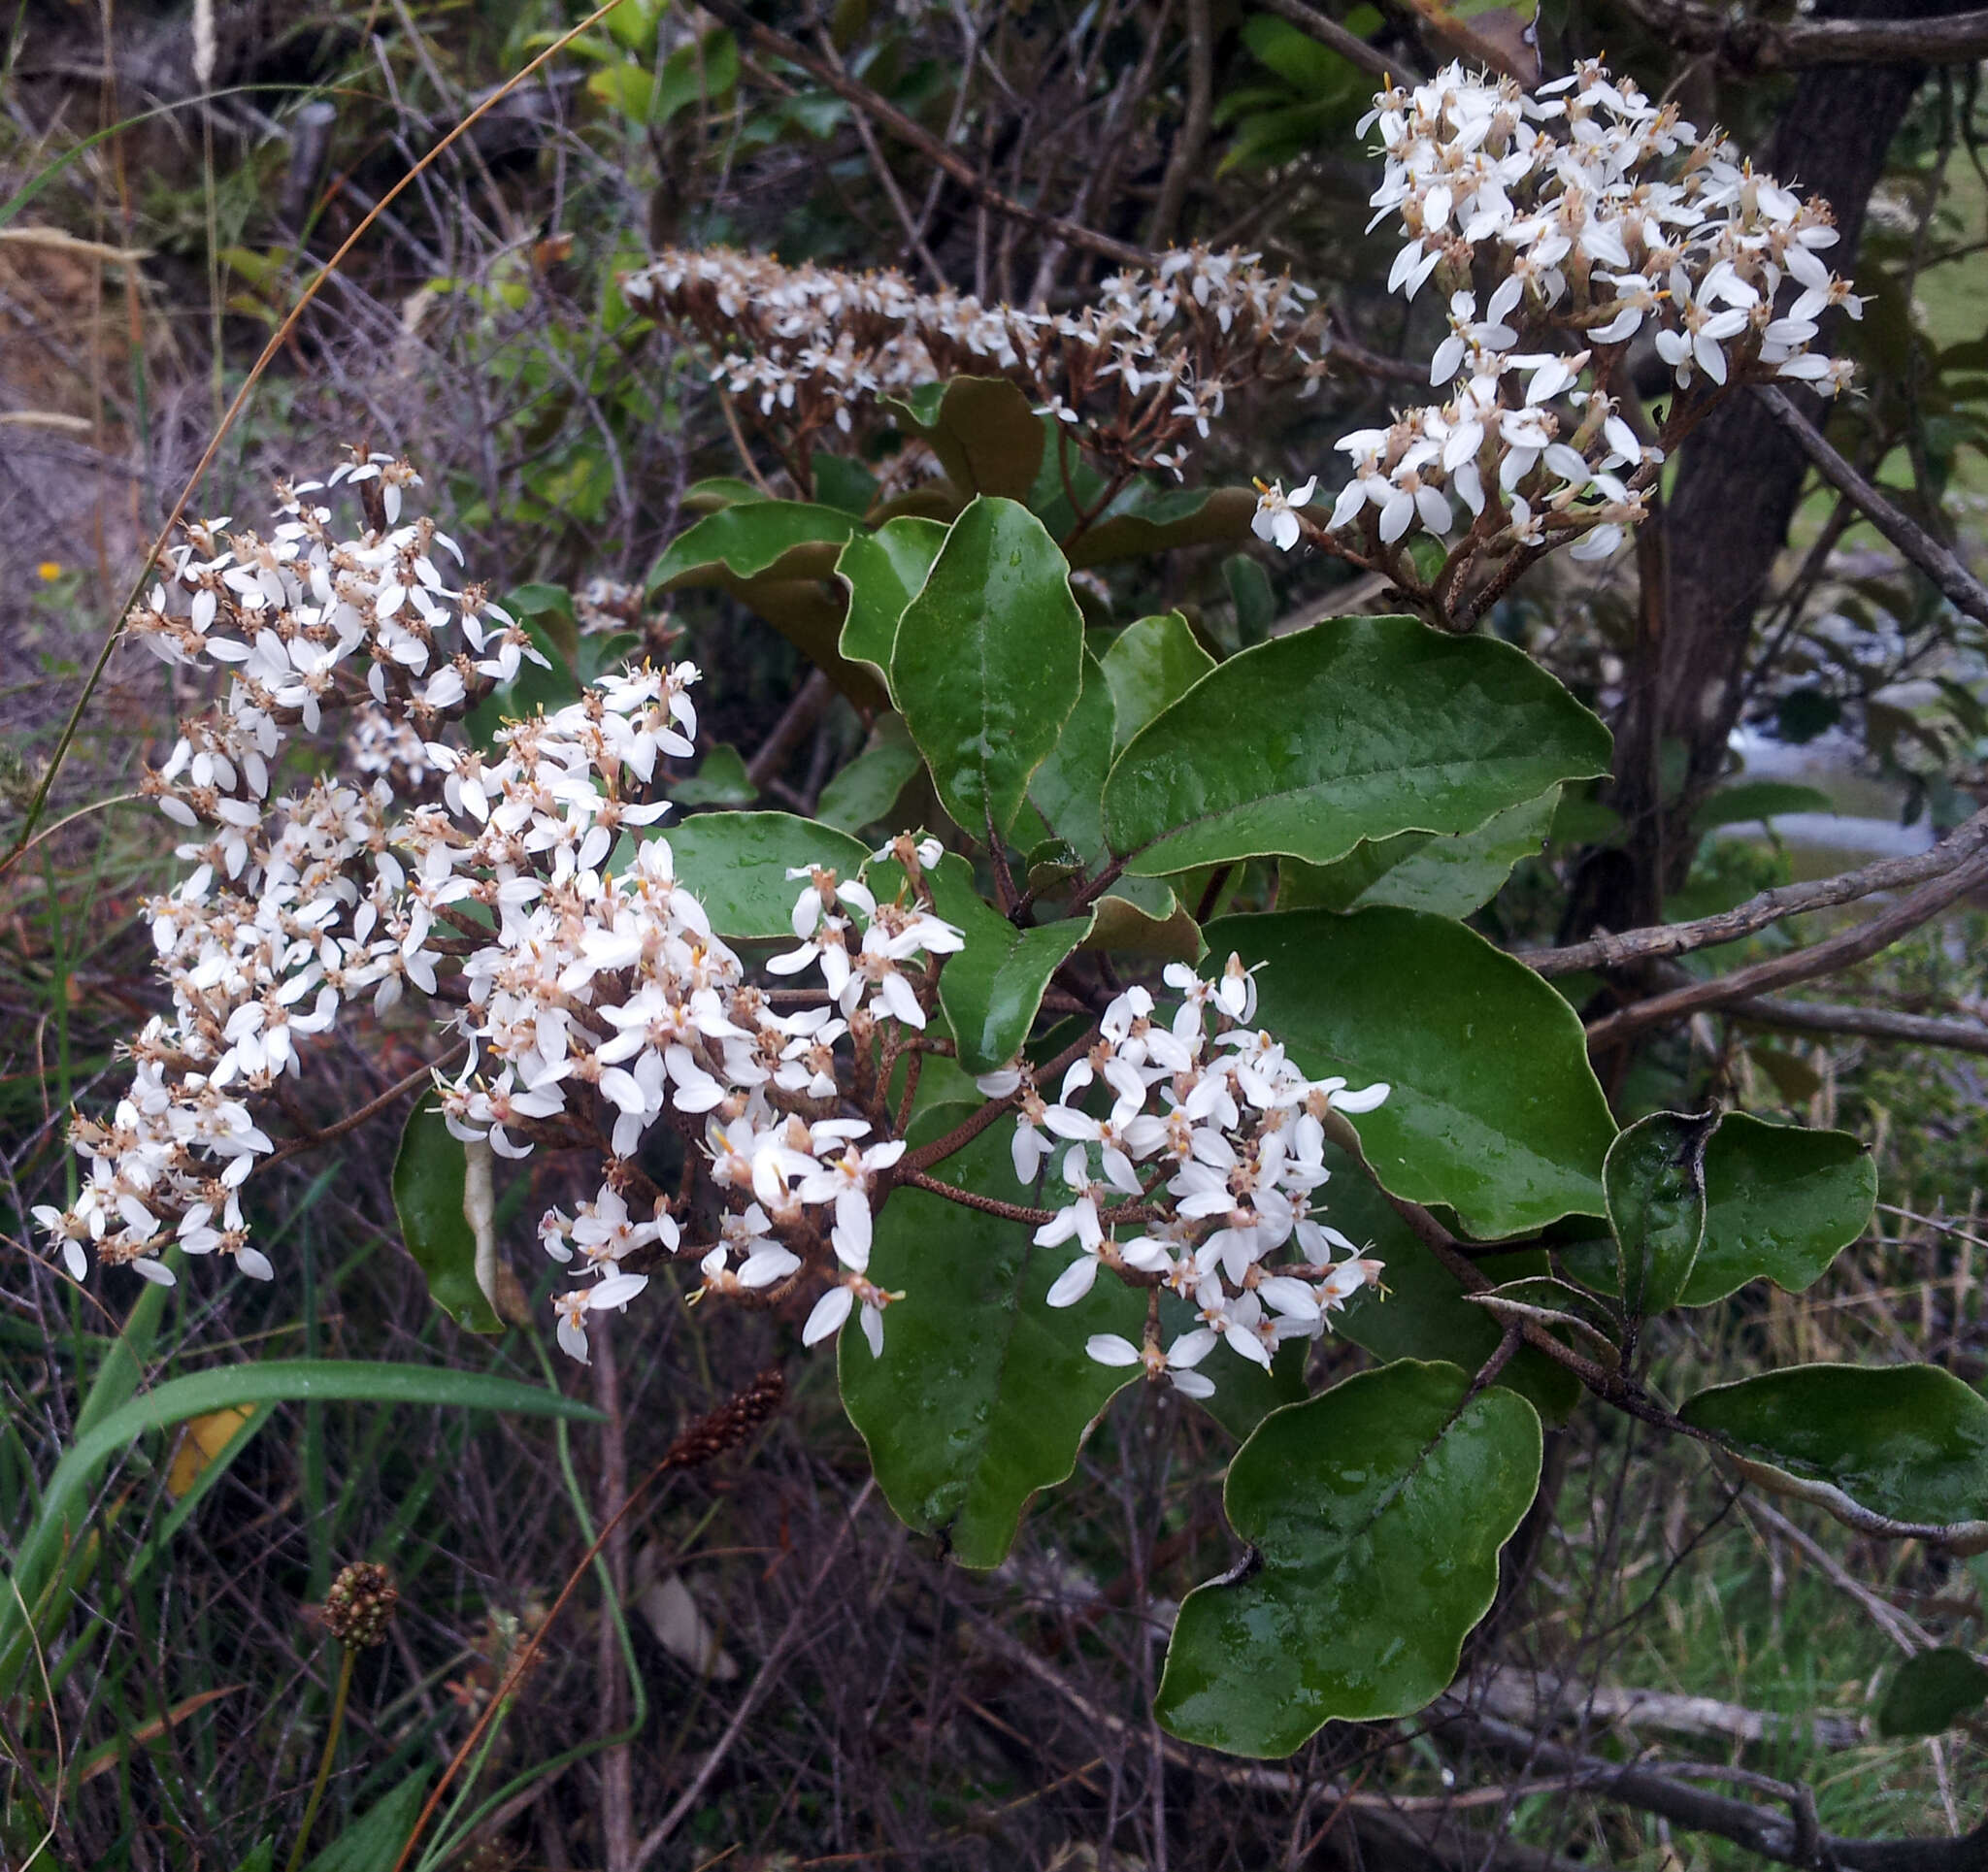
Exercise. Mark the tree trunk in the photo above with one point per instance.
(1707, 565)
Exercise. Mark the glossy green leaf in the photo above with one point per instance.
(1494, 1111)
(1358, 728)
(1154, 663)
(1419, 1311)
(1909, 1442)
(1375, 1514)
(842, 482)
(428, 1176)
(1447, 874)
(868, 788)
(1931, 1692)
(1245, 1393)
(992, 988)
(985, 431)
(1144, 916)
(985, 1393)
(883, 571)
(776, 557)
(736, 864)
(1654, 1183)
(1069, 787)
(1781, 1204)
(721, 782)
(988, 661)
(751, 539)
(1144, 520)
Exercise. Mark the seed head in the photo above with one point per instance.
(359, 1606)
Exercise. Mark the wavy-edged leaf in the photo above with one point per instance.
(985, 1393)
(1358, 728)
(753, 539)
(1375, 1514)
(868, 788)
(1654, 1183)
(985, 431)
(776, 557)
(1447, 874)
(988, 661)
(428, 1181)
(737, 862)
(883, 571)
(1906, 1442)
(1931, 1692)
(1495, 1111)
(1144, 520)
(1781, 1204)
(1144, 916)
(1153, 663)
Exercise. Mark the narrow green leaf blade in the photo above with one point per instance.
(1494, 1112)
(1358, 728)
(988, 661)
(985, 1393)
(1781, 1204)
(1654, 1182)
(1375, 1513)
(428, 1177)
(376, 1838)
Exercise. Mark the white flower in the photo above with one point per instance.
(1277, 518)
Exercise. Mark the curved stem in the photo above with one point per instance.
(331, 1735)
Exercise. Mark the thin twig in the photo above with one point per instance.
(1604, 951)
(1960, 587)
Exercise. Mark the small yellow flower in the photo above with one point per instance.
(49, 571)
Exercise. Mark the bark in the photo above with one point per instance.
(1727, 518)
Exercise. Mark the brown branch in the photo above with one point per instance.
(801, 714)
(1790, 1839)
(1956, 582)
(1752, 45)
(1349, 46)
(777, 44)
(1606, 951)
(1873, 1022)
(1825, 957)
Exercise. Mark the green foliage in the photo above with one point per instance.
(883, 571)
(1359, 728)
(1150, 666)
(736, 864)
(988, 661)
(1448, 875)
(1654, 1182)
(1494, 1111)
(1397, 1476)
(1781, 1204)
(1932, 1691)
(1908, 1442)
(428, 1184)
(983, 432)
(983, 1394)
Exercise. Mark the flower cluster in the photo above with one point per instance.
(1200, 1179)
(1153, 359)
(1593, 221)
(533, 902)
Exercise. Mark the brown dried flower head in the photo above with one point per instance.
(359, 1606)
